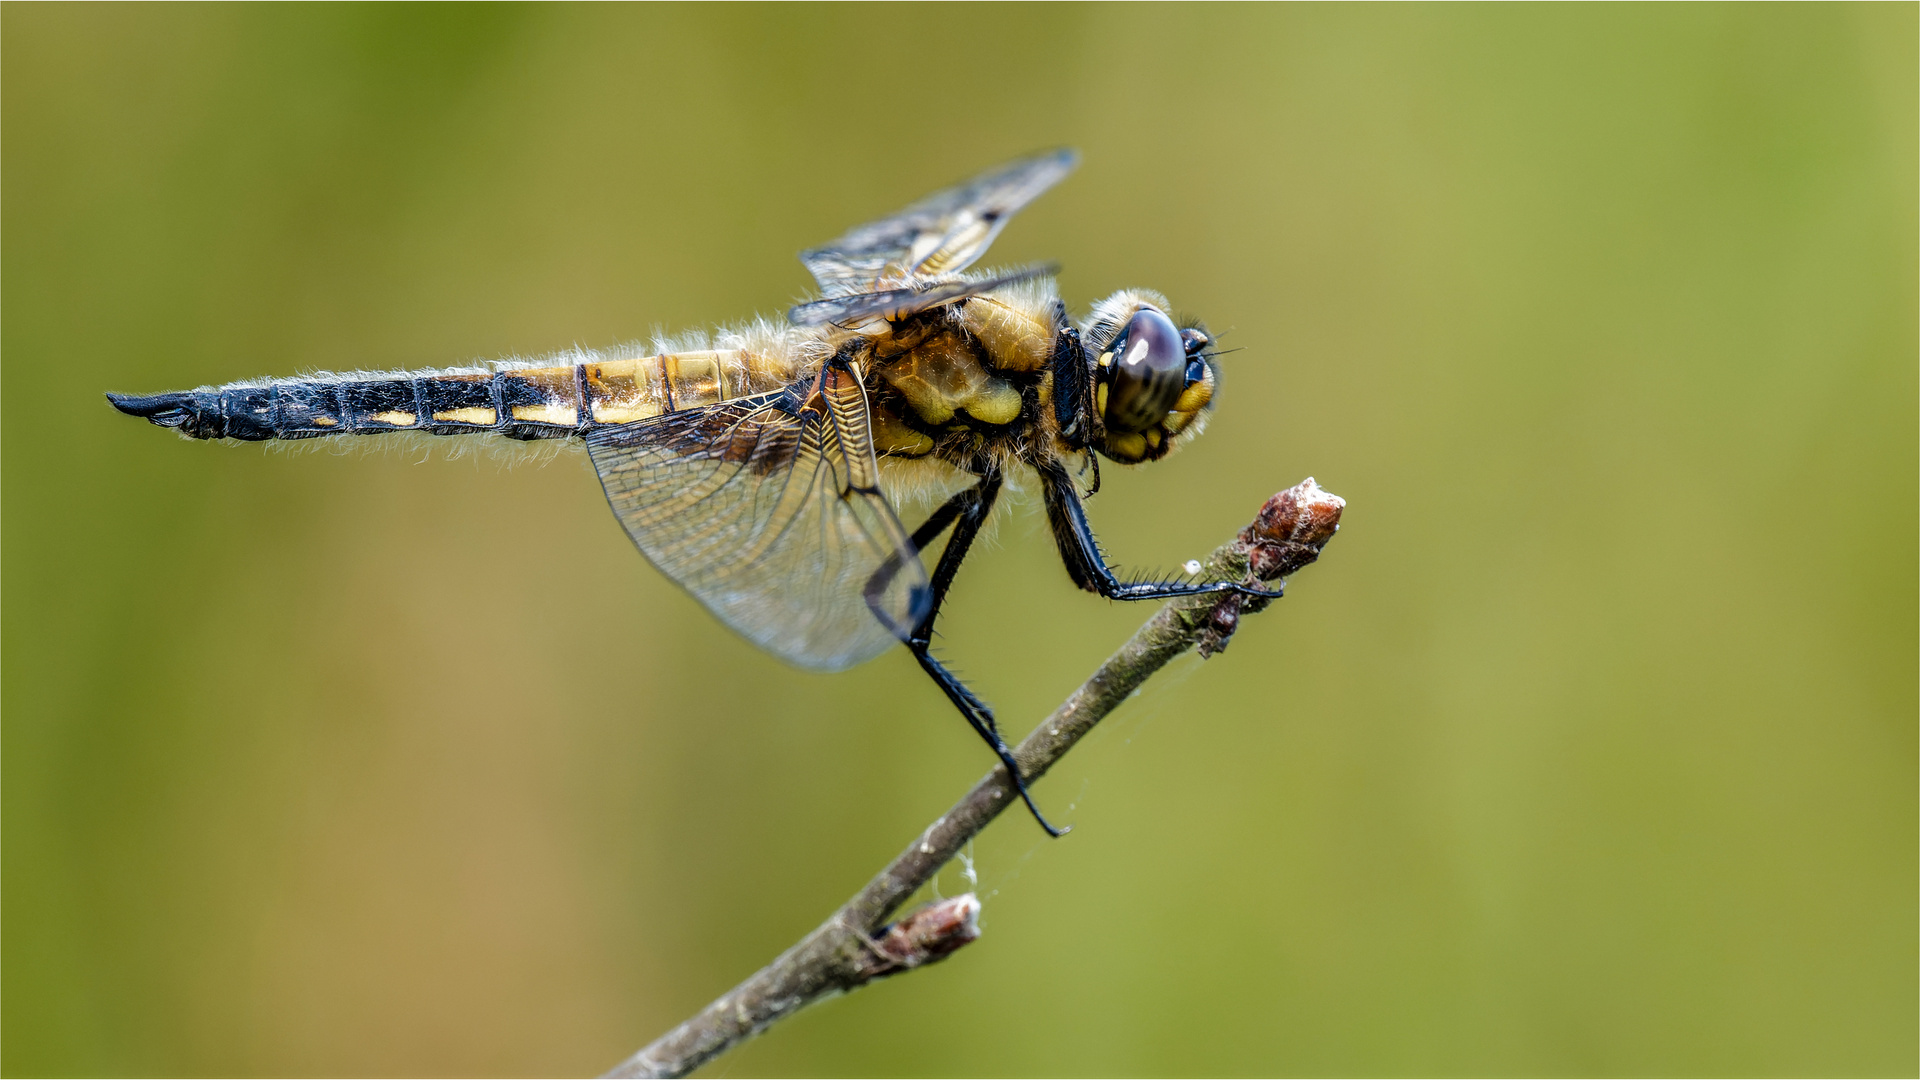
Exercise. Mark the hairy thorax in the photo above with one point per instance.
(955, 385)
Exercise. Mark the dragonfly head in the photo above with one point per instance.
(1153, 380)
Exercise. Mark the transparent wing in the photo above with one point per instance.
(941, 234)
(899, 303)
(772, 520)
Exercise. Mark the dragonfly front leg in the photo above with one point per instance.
(964, 513)
(1088, 567)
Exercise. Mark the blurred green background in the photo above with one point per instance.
(1588, 747)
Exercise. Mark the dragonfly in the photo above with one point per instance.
(752, 464)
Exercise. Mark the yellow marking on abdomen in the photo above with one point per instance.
(474, 415)
(397, 419)
(565, 415)
(614, 414)
(758, 372)
(324, 421)
(697, 378)
(623, 391)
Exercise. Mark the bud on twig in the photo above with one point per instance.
(928, 933)
(1291, 529)
(1287, 534)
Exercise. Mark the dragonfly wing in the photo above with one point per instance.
(899, 303)
(772, 519)
(943, 233)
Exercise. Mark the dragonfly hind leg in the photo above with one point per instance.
(964, 513)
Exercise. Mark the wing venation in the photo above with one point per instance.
(773, 519)
(899, 303)
(941, 234)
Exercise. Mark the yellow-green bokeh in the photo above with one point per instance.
(1588, 748)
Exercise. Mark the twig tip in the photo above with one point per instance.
(930, 932)
(1291, 529)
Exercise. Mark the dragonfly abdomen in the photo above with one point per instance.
(519, 402)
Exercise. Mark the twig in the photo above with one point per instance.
(853, 947)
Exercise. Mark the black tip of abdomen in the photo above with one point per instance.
(183, 409)
(167, 410)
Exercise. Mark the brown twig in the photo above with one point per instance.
(854, 947)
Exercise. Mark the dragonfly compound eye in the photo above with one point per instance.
(1147, 372)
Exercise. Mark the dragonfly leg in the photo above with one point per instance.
(964, 513)
(1088, 566)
